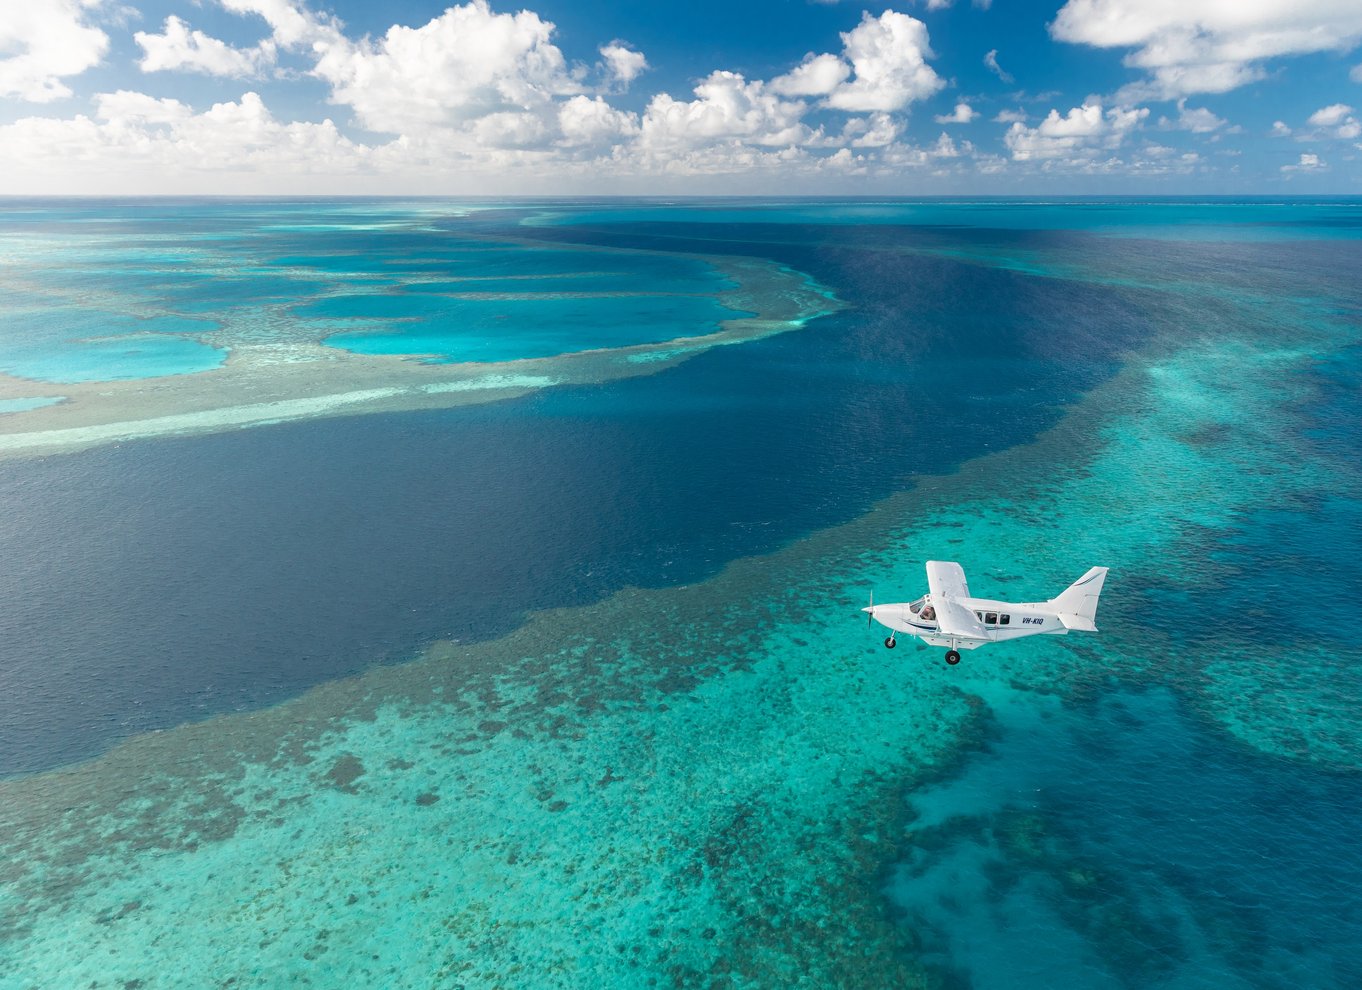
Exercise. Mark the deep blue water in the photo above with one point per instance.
(165, 580)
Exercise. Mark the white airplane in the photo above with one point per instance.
(947, 616)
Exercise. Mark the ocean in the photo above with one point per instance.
(409, 594)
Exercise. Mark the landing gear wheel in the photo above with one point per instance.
(952, 657)
(889, 643)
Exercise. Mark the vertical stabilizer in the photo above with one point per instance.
(1077, 604)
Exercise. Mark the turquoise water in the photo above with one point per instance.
(508, 329)
(23, 405)
(53, 343)
(115, 293)
(642, 735)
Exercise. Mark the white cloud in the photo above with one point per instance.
(43, 42)
(137, 135)
(882, 67)
(511, 130)
(991, 61)
(1355, 74)
(625, 64)
(1309, 162)
(127, 107)
(465, 64)
(888, 59)
(1207, 46)
(727, 107)
(876, 131)
(292, 24)
(586, 122)
(1330, 116)
(1081, 133)
(479, 100)
(962, 114)
(817, 75)
(177, 47)
(938, 154)
(1279, 129)
(1335, 121)
(1198, 120)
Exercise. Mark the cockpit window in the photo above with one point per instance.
(916, 607)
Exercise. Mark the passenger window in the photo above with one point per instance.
(980, 616)
(991, 619)
(1004, 619)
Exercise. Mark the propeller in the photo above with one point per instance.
(870, 613)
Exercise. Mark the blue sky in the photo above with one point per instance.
(706, 97)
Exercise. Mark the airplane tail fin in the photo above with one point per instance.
(1077, 604)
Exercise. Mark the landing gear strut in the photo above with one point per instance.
(952, 657)
(889, 643)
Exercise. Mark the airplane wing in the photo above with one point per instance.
(946, 579)
(955, 620)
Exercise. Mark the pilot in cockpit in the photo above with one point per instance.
(920, 607)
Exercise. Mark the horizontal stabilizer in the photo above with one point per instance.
(1078, 623)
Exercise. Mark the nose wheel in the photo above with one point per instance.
(889, 643)
(952, 657)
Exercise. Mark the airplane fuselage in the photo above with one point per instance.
(1001, 621)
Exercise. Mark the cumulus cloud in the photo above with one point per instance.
(888, 59)
(135, 134)
(876, 131)
(128, 107)
(474, 91)
(1279, 129)
(1309, 162)
(1331, 115)
(1336, 121)
(1207, 46)
(1010, 117)
(587, 122)
(623, 63)
(42, 43)
(727, 107)
(817, 75)
(962, 114)
(938, 154)
(466, 64)
(177, 47)
(991, 61)
(1198, 120)
(292, 24)
(882, 67)
(1081, 133)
